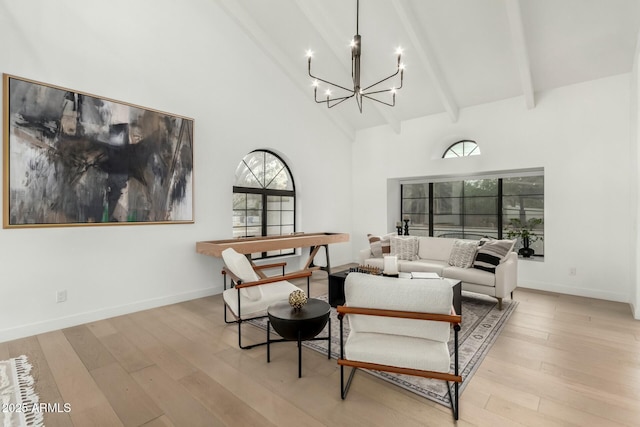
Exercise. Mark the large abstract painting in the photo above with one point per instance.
(71, 158)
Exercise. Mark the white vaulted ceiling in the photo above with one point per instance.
(458, 53)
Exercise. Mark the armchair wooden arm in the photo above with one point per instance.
(451, 318)
(267, 280)
(397, 370)
(289, 276)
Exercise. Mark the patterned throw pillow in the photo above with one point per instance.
(463, 253)
(491, 253)
(380, 245)
(405, 248)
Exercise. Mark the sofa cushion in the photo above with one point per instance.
(405, 248)
(491, 253)
(470, 275)
(380, 245)
(463, 253)
(434, 248)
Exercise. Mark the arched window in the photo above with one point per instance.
(462, 148)
(264, 199)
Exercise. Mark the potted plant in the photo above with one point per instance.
(524, 230)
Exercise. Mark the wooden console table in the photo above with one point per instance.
(249, 245)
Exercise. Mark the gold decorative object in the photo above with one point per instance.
(297, 299)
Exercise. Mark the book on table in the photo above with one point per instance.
(424, 275)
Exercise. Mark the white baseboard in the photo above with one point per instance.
(93, 316)
(569, 290)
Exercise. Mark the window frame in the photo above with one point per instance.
(462, 141)
(265, 193)
(500, 196)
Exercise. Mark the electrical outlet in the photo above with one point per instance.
(61, 296)
(572, 271)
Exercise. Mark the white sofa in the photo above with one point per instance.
(433, 256)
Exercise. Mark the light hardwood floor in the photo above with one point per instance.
(561, 360)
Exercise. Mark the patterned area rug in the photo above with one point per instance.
(18, 399)
(481, 325)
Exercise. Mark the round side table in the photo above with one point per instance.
(303, 324)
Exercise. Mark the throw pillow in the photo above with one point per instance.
(239, 265)
(491, 253)
(463, 253)
(484, 240)
(380, 245)
(405, 248)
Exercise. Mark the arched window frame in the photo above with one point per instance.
(274, 203)
(475, 151)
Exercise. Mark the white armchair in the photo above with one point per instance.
(401, 326)
(251, 292)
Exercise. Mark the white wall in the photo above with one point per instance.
(579, 134)
(183, 57)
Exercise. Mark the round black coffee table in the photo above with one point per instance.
(303, 324)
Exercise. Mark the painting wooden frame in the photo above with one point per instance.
(71, 158)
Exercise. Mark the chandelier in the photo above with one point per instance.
(372, 92)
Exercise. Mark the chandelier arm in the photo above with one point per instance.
(330, 100)
(327, 82)
(385, 79)
(329, 105)
(379, 91)
(332, 84)
(380, 101)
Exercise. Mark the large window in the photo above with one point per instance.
(475, 207)
(264, 199)
(466, 209)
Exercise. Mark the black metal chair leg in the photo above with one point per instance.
(454, 402)
(247, 347)
(226, 307)
(456, 412)
(345, 390)
(341, 381)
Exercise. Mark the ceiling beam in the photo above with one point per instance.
(269, 48)
(520, 50)
(420, 42)
(323, 24)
